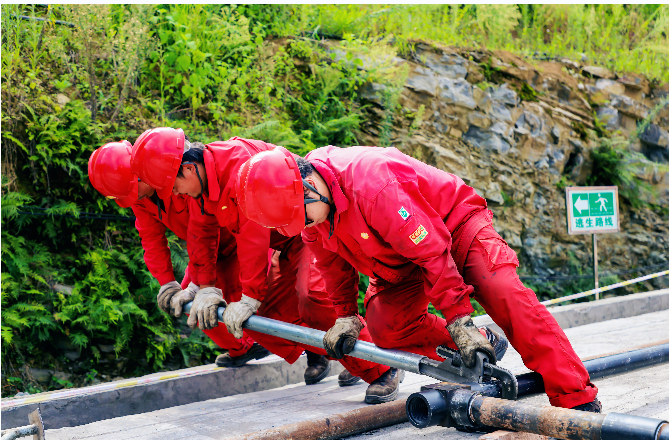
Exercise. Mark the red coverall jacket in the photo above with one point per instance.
(222, 161)
(175, 217)
(393, 212)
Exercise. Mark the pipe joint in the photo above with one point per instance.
(444, 404)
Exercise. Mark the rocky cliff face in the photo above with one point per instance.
(512, 129)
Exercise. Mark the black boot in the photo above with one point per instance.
(346, 379)
(385, 388)
(256, 351)
(595, 406)
(318, 368)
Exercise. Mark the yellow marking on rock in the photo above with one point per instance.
(168, 376)
(36, 399)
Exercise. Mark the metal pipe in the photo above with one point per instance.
(25, 17)
(544, 420)
(362, 350)
(337, 425)
(532, 383)
(562, 423)
(468, 409)
(22, 431)
(529, 383)
(632, 360)
(626, 427)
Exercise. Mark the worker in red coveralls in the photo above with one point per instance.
(109, 172)
(422, 236)
(163, 159)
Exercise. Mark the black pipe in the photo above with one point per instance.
(28, 18)
(427, 408)
(664, 433)
(626, 427)
(532, 383)
(632, 360)
(469, 410)
(435, 404)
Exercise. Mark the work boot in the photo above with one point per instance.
(385, 388)
(256, 351)
(346, 379)
(499, 342)
(595, 406)
(318, 368)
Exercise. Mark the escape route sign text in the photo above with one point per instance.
(592, 209)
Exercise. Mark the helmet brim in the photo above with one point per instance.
(131, 198)
(296, 226)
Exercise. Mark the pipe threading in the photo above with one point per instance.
(427, 408)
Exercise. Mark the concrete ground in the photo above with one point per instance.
(642, 392)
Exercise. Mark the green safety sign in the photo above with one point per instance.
(592, 209)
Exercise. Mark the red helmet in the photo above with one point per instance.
(269, 191)
(156, 158)
(109, 172)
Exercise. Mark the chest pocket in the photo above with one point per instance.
(226, 211)
(367, 241)
(418, 238)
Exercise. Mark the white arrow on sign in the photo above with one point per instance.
(581, 204)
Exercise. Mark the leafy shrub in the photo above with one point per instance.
(214, 70)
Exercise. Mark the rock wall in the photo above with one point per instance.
(512, 129)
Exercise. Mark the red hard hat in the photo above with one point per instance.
(156, 158)
(269, 191)
(109, 172)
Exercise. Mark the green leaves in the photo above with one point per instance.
(183, 62)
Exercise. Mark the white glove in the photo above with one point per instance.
(167, 291)
(182, 298)
(204, 312)
(238, 312)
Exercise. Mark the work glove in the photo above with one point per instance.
(204, 312)
(238, 312)
(340, 339)
(167, 291)
(182, 298)
(469, 339)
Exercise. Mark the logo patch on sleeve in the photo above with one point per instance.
(403, 213)
(418, 235)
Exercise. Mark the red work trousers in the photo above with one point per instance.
(397, 318)
(296, 294)
(227, 279)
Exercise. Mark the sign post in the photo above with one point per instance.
(592, 210)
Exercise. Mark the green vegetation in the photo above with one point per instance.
(636, 34)
(615, 163)
(75, 284)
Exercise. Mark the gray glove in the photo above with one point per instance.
(340, 339)
(469, 339)
(167, 291)
(182, 298)
(204, 312)
(238, 312)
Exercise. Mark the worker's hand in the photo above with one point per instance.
(204, 312)
(167, 291)
(340, 339)
(182, 298)
(469, 339)
(238, 312)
